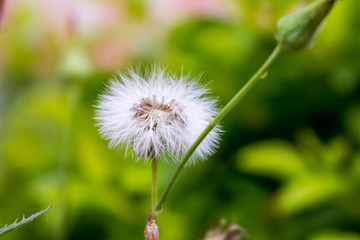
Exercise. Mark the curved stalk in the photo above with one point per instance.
(213, 122)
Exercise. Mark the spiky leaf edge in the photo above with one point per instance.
(9, 228)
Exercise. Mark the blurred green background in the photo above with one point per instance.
(288, 167)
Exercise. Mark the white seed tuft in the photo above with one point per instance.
(157, 114)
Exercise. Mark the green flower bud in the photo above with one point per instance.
(297, 31)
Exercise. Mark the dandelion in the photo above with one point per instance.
(157, 114)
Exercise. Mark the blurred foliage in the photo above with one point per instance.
(289, 163)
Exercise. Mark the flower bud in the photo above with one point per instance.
(297, 31)
(151, 229)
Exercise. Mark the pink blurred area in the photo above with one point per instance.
(105, 32)
(174, 10)
(57, 16)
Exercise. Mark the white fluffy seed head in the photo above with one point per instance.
(157, 114)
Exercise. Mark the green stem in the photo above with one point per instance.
(154, 188)
(229, 106)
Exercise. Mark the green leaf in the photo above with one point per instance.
(9, 228)
(335, 235)
(308, 192)
(273, 158)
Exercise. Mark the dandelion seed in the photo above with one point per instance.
(157, 114)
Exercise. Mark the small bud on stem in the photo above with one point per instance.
(297, 31)
(151, 230)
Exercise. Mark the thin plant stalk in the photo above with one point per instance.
(74, 95)
(154, 185)
(261, 73)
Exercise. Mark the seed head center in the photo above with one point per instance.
(153, 114)
(159, 116)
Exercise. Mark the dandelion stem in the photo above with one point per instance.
(154, 186)
(229, 106)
